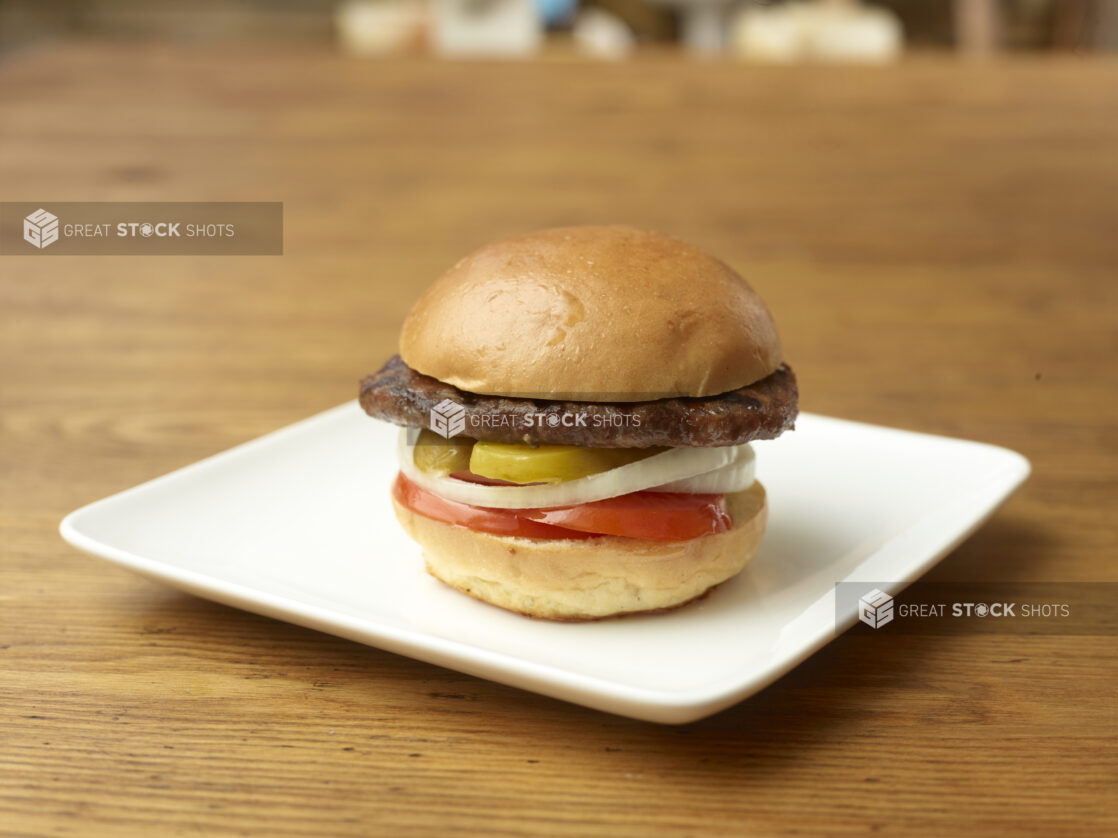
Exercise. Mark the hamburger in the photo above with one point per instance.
(577, 407)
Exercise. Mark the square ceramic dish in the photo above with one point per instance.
(297, 525)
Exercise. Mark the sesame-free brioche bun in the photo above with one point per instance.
(588, 579)
(592, 314)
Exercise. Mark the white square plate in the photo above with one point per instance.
(297, 525)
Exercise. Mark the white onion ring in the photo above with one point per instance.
(732, 477)
(668, 467)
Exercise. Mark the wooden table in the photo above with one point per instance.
(937, 241)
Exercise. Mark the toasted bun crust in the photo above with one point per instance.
(588, 580)
(592, 314)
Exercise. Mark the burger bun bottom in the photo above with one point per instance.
(589, 579)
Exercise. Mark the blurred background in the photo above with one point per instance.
(798, 30)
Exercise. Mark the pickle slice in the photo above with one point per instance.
(548, 463)
(435, 455)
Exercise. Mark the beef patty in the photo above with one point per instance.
(763, 410)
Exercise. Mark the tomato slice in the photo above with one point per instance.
(479, 518)
(663, 516)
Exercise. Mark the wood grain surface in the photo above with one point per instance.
(938, 242)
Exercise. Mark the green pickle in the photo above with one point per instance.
(548, 463)
(435, 455)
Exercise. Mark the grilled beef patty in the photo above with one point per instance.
(763, 410)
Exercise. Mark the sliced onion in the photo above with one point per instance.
(665, 468)
(732, 477)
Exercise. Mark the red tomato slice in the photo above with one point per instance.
(663, 516)
(479, 518)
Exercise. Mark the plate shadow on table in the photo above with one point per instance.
(1008, 548)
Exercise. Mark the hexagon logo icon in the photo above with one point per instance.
(40, 228)
(875, 609)
(448, 418)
